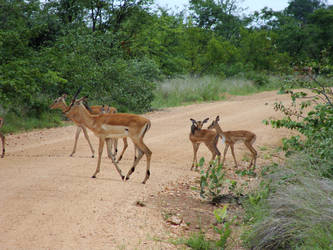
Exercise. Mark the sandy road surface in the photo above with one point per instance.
(49, 201)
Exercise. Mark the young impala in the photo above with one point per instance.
(206, 136)
(231, 137)
(2, 137)
(117, 125)
(60, 103)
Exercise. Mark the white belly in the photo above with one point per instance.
(110, 131)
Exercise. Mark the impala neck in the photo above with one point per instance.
(193, 129)
(62, 105)
(86, 117)
(218, 129)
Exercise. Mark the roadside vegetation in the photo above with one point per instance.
(186, 90)
(294, 205)
(138, 58)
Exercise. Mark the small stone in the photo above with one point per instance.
(175, 220)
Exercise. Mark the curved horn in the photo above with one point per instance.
(73, 100)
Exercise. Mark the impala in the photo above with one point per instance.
(2, 138)
(231, 137)
(60, 103)
(206, 136)
(117, 125)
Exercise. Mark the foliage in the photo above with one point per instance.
(296, 202)
(198, 242)
(316, 125)
(223, 229)
(212, 180)
(118, 51)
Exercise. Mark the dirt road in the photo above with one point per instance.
(49, 201)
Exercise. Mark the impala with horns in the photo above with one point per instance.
(2, 137)
(118, 125)
(231, 137)
(206, 136)
(60, 103)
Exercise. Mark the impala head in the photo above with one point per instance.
(59, 103)
(214, 123)
(105, 109)
(197, 125)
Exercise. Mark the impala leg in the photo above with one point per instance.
(254, 154)
(124, 149)
(136, 152)
(77, 133)
(225, 152)
(195, 150)
(109, 143)
(87, 138)
(233, 154)
(112, 157)
(217, 151)
(136, 161)
(214, 152)
(3, 144)
(148, 154)
(115, 144)
(100, 151)
(142, 149)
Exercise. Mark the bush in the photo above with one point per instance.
(259, 79)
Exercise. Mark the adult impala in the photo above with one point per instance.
(2, 137)
(60, 103)
(231, 137)
(208, 137)
(117, 125)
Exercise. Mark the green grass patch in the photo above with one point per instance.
(187, 90)
(14, 123)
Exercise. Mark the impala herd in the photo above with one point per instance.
(109, 126)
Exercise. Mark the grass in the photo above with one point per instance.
(196, 241)
(296, 212)
(186, 90)
(14, 123)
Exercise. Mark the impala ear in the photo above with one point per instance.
(217, 118)
(193, 121)
(204, 121)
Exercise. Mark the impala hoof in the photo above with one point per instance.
(94, 176)
(127, 178)
(122, 177)
(92, 156)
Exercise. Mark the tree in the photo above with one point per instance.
(301, 9)
(219, 16)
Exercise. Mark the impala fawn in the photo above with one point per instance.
(231, 137)
(206, 136)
